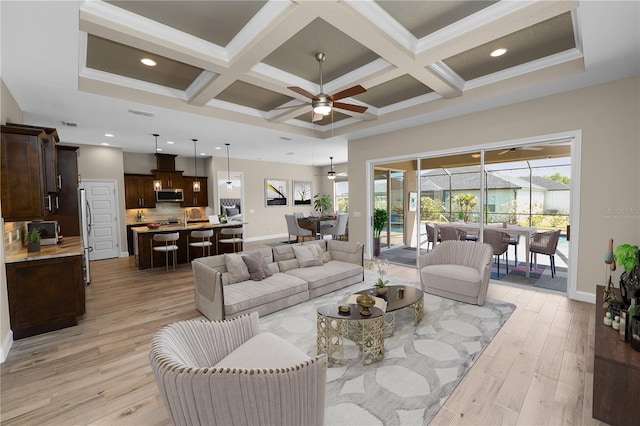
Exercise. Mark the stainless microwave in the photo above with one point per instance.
(169, 195)
(49, 231)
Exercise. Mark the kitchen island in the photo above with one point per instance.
(45, 288)
(142, 236)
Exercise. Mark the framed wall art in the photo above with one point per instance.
(301, 192)
(413, 201)
(275, 192)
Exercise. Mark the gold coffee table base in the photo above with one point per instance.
(367, 332)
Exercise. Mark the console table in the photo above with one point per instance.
(616, 374)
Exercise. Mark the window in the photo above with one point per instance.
(341, 191)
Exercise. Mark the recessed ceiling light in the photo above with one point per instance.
(149, 62)
(158, 149)
(217, 147)
(104, 143)
(170, 142)
(203, 153)
(291, 153)
(475, 155)
(108, 135)
(498, 52)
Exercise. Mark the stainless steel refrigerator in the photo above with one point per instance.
(85, 231)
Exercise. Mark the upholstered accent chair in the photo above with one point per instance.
(228, 373)
(458, 270)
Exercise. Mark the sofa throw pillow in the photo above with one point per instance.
(287, 265)
(308, 255)
(236, 268)
(258, 268)
(326, 256)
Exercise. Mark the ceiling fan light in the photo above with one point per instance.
(322, 109)
(331, 175)
(229, 186)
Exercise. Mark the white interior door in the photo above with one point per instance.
(103, 212)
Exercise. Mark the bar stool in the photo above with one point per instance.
(204, 238)
(169, 241)
(235, 237)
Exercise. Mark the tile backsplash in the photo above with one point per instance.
(164, 211)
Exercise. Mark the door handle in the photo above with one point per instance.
(48, 199)
(57, 202)
(59, 181)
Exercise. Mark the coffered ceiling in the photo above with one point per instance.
(224, 68)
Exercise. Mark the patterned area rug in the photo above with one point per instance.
(423, 364)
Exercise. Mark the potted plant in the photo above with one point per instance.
(33, 240)
(321, 203)
(380, 219)
(381, 283)
(627, 256)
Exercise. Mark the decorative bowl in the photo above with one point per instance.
(153, 225)
(344, 309)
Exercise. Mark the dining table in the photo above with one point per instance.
(512, 230)
(314, 223)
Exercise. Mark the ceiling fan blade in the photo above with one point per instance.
(350, 107)
(290, 106)
(504, 152)
(531, 148)
(301, 91)
(347, 93)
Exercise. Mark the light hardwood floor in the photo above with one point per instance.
(537, 370)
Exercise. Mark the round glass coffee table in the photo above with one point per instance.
(399, 297)
(367, 331)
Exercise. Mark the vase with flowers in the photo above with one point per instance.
(628, 257)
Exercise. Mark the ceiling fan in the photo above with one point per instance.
(520, 148)
(332, 174)
(322, 103)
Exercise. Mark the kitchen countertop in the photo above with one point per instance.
(189, 226)
(71, 246)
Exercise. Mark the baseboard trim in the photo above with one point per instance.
(582, 296)
(7, 342)
(266, 237)
(124, 254)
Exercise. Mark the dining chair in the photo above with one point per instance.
(170, 245)
(499, 241)
(545, 243)
(293, 228)
(340, 229)
(202, 240)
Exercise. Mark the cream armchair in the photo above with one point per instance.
(228, 373)
(458, 270)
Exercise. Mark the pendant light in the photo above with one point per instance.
(196, 183)
(157, 183)
(229, 185)
(331, 175)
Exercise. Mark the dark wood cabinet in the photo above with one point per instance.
(191, 198)
(169, 179)
(68, 215)
(52, 183)
(24, 195)
(45, 295)
(616, 374)
(138, 191)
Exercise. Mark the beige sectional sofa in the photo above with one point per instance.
(297, 273)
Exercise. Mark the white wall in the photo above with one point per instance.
(9, 113)
(607, 116)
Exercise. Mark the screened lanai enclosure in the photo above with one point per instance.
(523, 191)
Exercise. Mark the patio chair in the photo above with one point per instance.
(545, 243)
(448, 233)
(499, 242)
